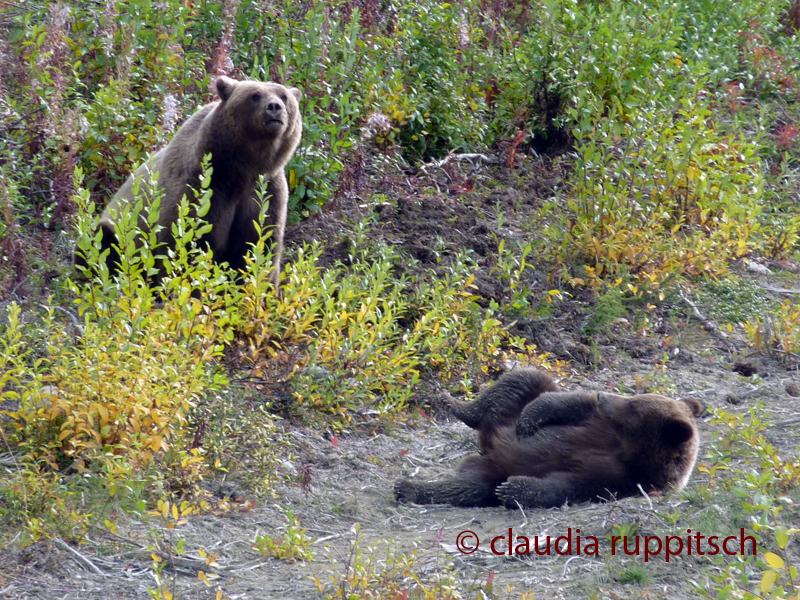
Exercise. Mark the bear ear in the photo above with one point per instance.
(296, 93)
(676, 432)
(225, 87)
(695, 406)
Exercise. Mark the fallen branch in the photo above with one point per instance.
(707, 323)
(83, 559)
(646, 496)
(787, 422)
(191, 563)
(481, 158)
(778, 290)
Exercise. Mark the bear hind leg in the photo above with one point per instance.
(501, 403)
(457, 491)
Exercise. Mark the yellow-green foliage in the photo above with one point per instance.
(346, 321)
(138, 366)
(660, 194)
(360, 334)
(295, 545)
(380, 572)
(119, 391)
(114, 391)
(745, 465)
(776, 331)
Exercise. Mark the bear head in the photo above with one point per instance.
(262, 110)
(651, 418)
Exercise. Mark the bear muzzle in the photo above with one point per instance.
(274, 115)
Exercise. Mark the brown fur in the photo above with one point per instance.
(252, 130)
(546, 449)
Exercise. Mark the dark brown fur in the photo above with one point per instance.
(542, 448)
(252, 130)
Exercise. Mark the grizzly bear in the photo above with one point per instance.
(252, 130)
(543, 448)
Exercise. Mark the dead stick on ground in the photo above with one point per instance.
(91, 565)
(646, 496)
(709, 325)
(471, 157)
(785, 423)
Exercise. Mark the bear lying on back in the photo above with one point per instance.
(542, 448)
(252, 130)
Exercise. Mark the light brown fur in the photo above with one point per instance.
(252, 130)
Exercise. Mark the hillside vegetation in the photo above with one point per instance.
(655, 144)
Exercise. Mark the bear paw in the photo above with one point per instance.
(451, 404)
(513, 492)
(405, 490)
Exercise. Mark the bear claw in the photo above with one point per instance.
(405, 491)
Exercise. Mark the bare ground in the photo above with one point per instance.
(351, 480)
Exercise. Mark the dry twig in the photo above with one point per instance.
(83, 559)
(707, 323)
(475, 158)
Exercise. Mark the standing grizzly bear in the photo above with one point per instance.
(542, 448)
(252, 130)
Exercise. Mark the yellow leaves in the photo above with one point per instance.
(773, 560)
(768, 581)
(174, 515)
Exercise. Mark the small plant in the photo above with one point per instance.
(608, 308)
(294, 546)
(171, 516)
(777, 333)
(634, 574)
(657, 381)
(511, 266)
(379, 572)
(760, 485)
(622, 531)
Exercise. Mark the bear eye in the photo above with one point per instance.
(256, 97)
(283, 98)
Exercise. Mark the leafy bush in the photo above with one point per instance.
(364, 333)
(129, 392)
(659, 194)
(117, 399)
(753, 470)
(776, 331)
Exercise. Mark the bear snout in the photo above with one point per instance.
(274, 114)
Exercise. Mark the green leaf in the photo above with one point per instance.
(781, 536)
